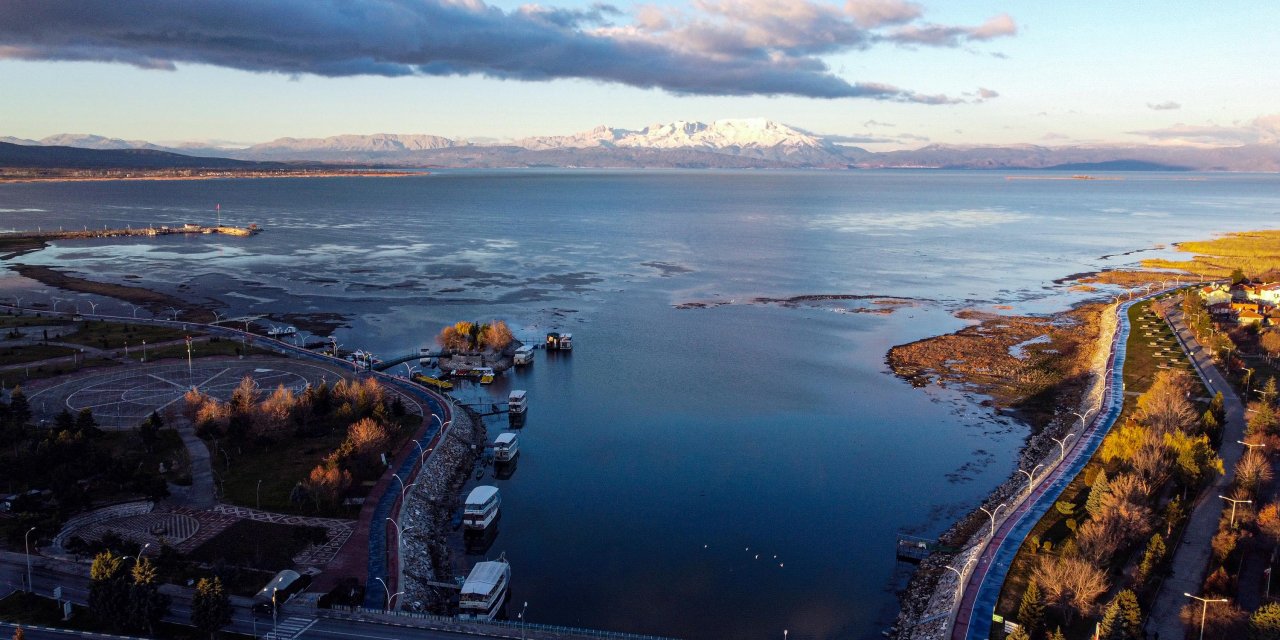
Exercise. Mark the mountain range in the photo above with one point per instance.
(739, 143)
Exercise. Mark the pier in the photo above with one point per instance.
(186, 229)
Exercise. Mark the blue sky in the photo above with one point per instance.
(1064, 73)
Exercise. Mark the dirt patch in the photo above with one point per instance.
(146, 298)
(14, 247)
(1031, 364)
(320, 324)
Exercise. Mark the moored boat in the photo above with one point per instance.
(485, 589)
(506, 447)
(481, 508)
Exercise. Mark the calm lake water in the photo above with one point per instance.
(674, 445)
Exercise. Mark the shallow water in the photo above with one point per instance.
(673, 446)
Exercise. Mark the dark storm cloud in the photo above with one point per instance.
(746, 47)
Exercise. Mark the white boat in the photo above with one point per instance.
(517, 402)
(276, 332)
(481, 508)
(506, 447)
(485, 589)
(560, 341)
(523, 356)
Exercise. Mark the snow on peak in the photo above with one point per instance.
(745, 133)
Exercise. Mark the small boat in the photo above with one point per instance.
(506, 447)
(277, 332)
(485, 373)
(517, 402)
(481, 508)
(435, 383)
(485, 589)
(560, 341)
(523, 355)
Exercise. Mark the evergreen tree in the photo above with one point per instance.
(19, 410)
(1209, 424)
(1123, 618)
(1217, 406)
(108, 590)
(64, 421)
(1019, 634)
(1097, 493)
(1264, 624)
(85, 422)
(149, 431)
(1269, 391)
(211, 607)
(1031, 610)
(1057, 635)
(1151, 558)
(146, 604)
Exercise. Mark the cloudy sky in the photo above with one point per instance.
(884, 73)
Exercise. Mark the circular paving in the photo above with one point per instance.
(123, 398)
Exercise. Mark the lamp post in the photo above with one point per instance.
(1252, 445)
(1082, 417)
(1204, 609)
(144, 350)
(992, 514)
(257, 495)
(1234, 502)
(138, 558)
(1030, 477)
(399, 535)
(390, 596)
(26, 542)
(526, 606)
(1062, 445)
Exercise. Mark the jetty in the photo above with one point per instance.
(105, 232)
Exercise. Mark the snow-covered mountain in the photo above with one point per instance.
(751, 133)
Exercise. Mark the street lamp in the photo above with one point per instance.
(526, 606)
(1251, 446)
(399, 534)
(992, 514)
(26, 541)
(1082, 417)
(1030, 477)
(1234, 502)
(390, 596)
(138, 558)
(1204, 609)
(1062, 445)
(257, 495)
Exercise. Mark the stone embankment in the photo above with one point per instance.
(429, 510)
(929, 602)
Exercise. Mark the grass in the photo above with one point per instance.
(1256, 252)
(1142, 360)
(26, 609)
(205, 349)
(281, 466)
(114, 335)
(12, 321)
(41, 372)
(32, 353)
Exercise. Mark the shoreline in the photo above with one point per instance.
(218, 175)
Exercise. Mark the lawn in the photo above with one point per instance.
(114, 335)
(33, 353)
(27, 609)
(12, 321)
(41, 372)
(201, 349)
(1151, 348)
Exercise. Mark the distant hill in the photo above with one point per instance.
(742, 143)
(28, 156)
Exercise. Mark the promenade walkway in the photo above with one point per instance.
(1191, 558)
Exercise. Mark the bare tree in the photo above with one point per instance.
(1070, 582)
(1165, 407)
(1253, 470)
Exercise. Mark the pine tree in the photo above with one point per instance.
(1269, 392)
(1057, 635)
(1031, 610)
(1151, 558)
(1264, 624)
(64, 421)
(1019, 634)
(1097, 493)
(211, 607)
(1123, 618)
(85, 422)
(19, 634)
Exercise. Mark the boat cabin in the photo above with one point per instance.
(481, 508)
(517, 402)
(523, 355)
(506, 447)
(485, 590)
(560, 341)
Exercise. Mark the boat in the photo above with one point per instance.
(481, 508)
(485, 374)
(435, 383)
(560, 341)
(485, 589)
(278, 332)
(517, 402)
(523, 355)
(506, 447)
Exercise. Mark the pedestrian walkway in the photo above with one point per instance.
(290, 628)
(1191, 558)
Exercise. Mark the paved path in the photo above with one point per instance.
(1191, 557)
(200, 495)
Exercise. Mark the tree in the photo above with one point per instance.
(19, 409)
(1263, 419)
(149, 431)
(1123, 618)
(1269, 522)
(64, 421)
(1221, 619)
(1271, 343)
(1194, 457)
(1209, 425)
(1018, 634)
(1096, 492)
(1253, 470)
(1070, 582)
(1123, 442)
(1152, 558)
(327, 483)
(1057, 635)
(1031, 610)
(19, 634)
(1264, 624)
(211, 607)
(1164, 407)
(147, 606)
(1269, 391)
(108, 591)
(85, 423)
